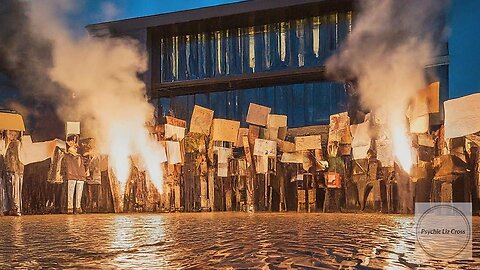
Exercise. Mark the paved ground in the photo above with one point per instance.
(216, 240)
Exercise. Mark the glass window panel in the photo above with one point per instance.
(316, 36)
(228, 59)
(266, 42)
(301, 42)
(251, 46)
(283, 41)
(175, 58)
(218, 47)
(187, 55)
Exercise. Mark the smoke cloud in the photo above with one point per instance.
(25, 58)
(386, 53)
(391, 43)
(96, 81)
(388, 49)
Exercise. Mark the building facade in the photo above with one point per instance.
(267, 52)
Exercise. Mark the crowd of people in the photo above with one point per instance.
(13, 158)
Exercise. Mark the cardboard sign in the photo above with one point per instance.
(462, 116)
(282, 133)
(261, 164)
(201, 120)
(195, 142)
(174, 132)
(427, 100)
(175, 121)
(333, 180)
(426, 140)
(271, 133)
(223, 154)
(384, 150)
(339, 128)
(222, 169)
(248, 153)
(308, 142)
(286, 147)
(253, 133)
(11, 121)
(225, 130)
(296, 157)
(419, 124)
(241, 132)
(72, 128)
(265, 148)
(360, 152)
(174, 154)
(361, 140)
(258, 114)
(276, 120)
(34, 152)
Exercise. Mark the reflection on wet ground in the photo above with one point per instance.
(216, 240)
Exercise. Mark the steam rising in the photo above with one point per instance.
(99, 86)
(386, 53)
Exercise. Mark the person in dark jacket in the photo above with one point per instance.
(13, 166)
(73, 172)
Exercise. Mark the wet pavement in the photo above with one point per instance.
(217, 240)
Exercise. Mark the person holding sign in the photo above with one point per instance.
(73, 170)
(12, 156)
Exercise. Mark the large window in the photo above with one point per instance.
(295, 43)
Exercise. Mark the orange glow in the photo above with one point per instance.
(402, 147)
(132, 139)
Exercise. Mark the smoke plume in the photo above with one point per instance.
(391, 43)
(386, 53)
(96, 82)
(25, 58)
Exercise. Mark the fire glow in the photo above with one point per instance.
(402, 147)
(387, 52)
(130, 141)
(110, 101)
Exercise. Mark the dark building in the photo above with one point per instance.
(269, 52)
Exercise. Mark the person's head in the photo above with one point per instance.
(474, 149)
(72, 142)
(87, 147)
(12, 135)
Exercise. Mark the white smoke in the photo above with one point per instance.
(108, 97)
(390, 44)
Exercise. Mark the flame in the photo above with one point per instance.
(152, 154)
(402, 147)
(131, 139)
(102, 77)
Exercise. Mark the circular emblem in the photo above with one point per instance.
(443, 231)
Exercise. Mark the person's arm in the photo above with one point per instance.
(63, 167)
(1, 161)
(2, 147)
(22, 154)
